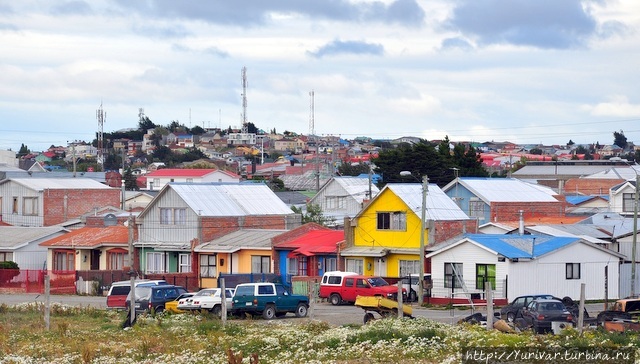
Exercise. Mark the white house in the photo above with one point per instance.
(157, 179)
(22, 245)
(522, 264)
(622, 198)
(343, 197)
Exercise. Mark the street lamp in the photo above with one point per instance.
(423, 213)
(635, 234)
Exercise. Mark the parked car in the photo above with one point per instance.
(267, 299)
(172, 306)
(153, 298)
(540, 313)
(625, 309)
(118, 292)
(410, 284)
(358, 285)
(511, 311)
(207, 299)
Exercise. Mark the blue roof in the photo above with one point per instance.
(521, 246)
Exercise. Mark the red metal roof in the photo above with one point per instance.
(90, 237)
(178, 172)
(314, 242)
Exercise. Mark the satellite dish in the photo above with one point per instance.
(110, 220)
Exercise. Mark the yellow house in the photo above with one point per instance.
(383, 239)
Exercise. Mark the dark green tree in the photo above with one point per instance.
(23, 150)
(146, 124)
(348, 169)
(619, 139)
(314, 214)
(536, 151)
(130, 183)
(197, 130)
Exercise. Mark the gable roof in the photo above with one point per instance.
(518, 246)
(504, 190)
(356, 187)
(314, 242)
(41, 184)
(14, 237)
(91, 237)
(254, 239)
(439, 205)
(217, 199)
(180, 172)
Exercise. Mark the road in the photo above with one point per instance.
(334, 315)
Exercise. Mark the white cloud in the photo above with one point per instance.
(618, 106)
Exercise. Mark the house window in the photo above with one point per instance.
(184, 260)
(6, 256)
(573, 271)
(628, 202)
(453, 275)
(189, 180)
(260, 264)
(173, 216)
(156, 182)
(14, 207)
(336, 202)
(208, 265)
(355, 265)
(30, 206)
(292, 268)
(302, 266)
(117, 259)
(485, 273)
(330, 264)
(392, 221)
(476, 208)
(155, 262)
(64, 260)
(409, 267)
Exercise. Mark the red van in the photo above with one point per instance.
(358, 285)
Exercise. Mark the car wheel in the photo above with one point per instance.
(217, 310)
(368, 317)
(301, 310)
(335, 299)
(269, 312)
(413, 296)
(511, 317)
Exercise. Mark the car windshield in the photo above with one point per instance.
(550, 306)
(377, 282)
(141, 293)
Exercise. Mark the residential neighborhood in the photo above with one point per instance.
(547, 226)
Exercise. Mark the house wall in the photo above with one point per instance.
(461, 195)
(328, 196)
(469, 255)
(547, 274)
(151, 231)
(510, 211)
(615, 200)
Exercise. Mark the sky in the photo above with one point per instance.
(529, 72)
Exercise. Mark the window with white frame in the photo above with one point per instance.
(173, 216)
(476, 208)
(155, 262)
(453, 274)
(184, 262)
(117, 258)
(485, 273)
(336, 202)
(392, 221)
(628, 202)
(573, 270)
(6, 256)
(292, 266)
(208, 265)
(355, 265)
(30, 206)
(64, 260)
(260, 264)
(330, 264)
(409, 267)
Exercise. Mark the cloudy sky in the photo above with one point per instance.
(525, 71)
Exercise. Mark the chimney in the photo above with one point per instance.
(521, 225)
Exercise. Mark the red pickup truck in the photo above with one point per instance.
(353, 286)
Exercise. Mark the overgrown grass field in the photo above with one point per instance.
(89, 335)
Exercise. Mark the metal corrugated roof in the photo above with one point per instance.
(357, 187)
(259, 239)
(439, 205)
(522, 246)
(507, 190)
(231, 199)
(16, 236)
(40, 184)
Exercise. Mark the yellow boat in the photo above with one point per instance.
(383, 306)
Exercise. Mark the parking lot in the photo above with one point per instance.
(334, 315)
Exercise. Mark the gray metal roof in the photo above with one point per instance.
(548, 171)
(588, 232)
(357, 187)
(507, 190)
(14, 237)
(231, 199)
(627, 173)
(439, 205)
(40, 184)
(258, 239)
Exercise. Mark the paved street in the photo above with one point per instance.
(335, 315)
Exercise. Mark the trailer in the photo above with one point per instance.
(382, 306)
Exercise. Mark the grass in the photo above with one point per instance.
(86, 335)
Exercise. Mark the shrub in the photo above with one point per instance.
(8, 270)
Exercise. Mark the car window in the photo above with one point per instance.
(348, 282)
(520, 301)
(244, 290)
(265, 289)
(141, 293)
(229, 293)
(280, 291)
(120, 290)
(377, 282)
(334, 280)
(362, 283)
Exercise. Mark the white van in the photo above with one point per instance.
(410, 283)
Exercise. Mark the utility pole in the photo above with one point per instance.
(635, 236)
(423, 214)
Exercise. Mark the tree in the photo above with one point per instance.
(197, 130)
(23, 150)
(314, 214)
(130, 183)
(146, 124)
(536, 151)
(348, 169)
(619, 139)
(570, 143)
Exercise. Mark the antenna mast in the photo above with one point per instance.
(311, 115)
(245, 128)
(102, 117)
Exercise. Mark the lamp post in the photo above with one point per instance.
(635, 234)
(423, 213)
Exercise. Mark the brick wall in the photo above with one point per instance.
(215, 227)
(510, 211)
(78, 202)
(445, 230)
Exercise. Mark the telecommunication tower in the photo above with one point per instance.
(245, 127)
(101, 115)
(312, 130)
